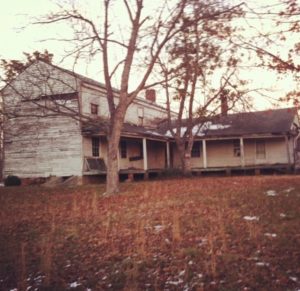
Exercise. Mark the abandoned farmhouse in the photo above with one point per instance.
(39, 142)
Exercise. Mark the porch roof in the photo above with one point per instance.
(127, 130)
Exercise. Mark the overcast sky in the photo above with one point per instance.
(18, 35)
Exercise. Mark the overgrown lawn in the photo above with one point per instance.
(235, 233)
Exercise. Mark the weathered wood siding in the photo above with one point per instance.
(155, 150)
(220, 153)
(39, 142)
(150, 111)
(276, 152)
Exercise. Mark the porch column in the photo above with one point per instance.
(288, 150)
(242, 152)
(204, 154)
(168, 154)
(145, 154)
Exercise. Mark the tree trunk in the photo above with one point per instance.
(112, 176)
(186, 165)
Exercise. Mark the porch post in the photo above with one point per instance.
(242, 152)
(145, 154)
(288, 150)
(168, 154)
(204, 154)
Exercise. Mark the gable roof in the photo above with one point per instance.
(275, 121)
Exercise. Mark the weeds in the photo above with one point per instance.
(180, 234)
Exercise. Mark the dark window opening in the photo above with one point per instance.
(95, 146)
(123, 149)
(196, 150)
(94, 109)
(236, 148)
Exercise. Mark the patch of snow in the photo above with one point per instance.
(271, 193)
(176, 283)
(289, 190)
(1, 184)
(262, 264)
(270, 234)
(218, 126)
(190, 263)
(181, 273)
(295, 279)
(251, 218)
(199, 129)
(158, 228)
(282, 215)
(200, 276)
(74, 284)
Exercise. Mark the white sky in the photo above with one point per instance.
(18, 36)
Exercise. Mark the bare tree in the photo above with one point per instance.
(144, 36)
(271, 41)
(201, 50)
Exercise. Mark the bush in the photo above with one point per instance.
(12, 181)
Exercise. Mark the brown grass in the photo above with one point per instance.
(173, 234)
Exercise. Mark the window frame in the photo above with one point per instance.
(236, 148)
(123, 149)
(94, 108)
(260, 153)
(196, 149)
(95, 146)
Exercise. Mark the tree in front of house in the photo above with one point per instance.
(200, 54)
(125, 43)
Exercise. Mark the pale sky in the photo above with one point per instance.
(17, 36)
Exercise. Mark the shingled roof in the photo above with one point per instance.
(275, 121)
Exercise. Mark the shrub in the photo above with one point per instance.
(12, 181)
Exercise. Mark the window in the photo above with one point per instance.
(141, 120)
(236, 148)
(196, 150)
(260, 149)
(140, 112)
(94, 109)
(123, 149)
(95, 146)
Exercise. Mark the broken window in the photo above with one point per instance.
(95, 146)
(236, 148)
(260, 149)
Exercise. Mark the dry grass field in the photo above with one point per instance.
(231, 233)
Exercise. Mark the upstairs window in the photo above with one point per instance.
(95, 146)
(196, 150)
(140, 112)
(94, 109)
(236, 148)
(260, 149)
(123, 149)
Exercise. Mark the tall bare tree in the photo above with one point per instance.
(144, 37)
(201, 50)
